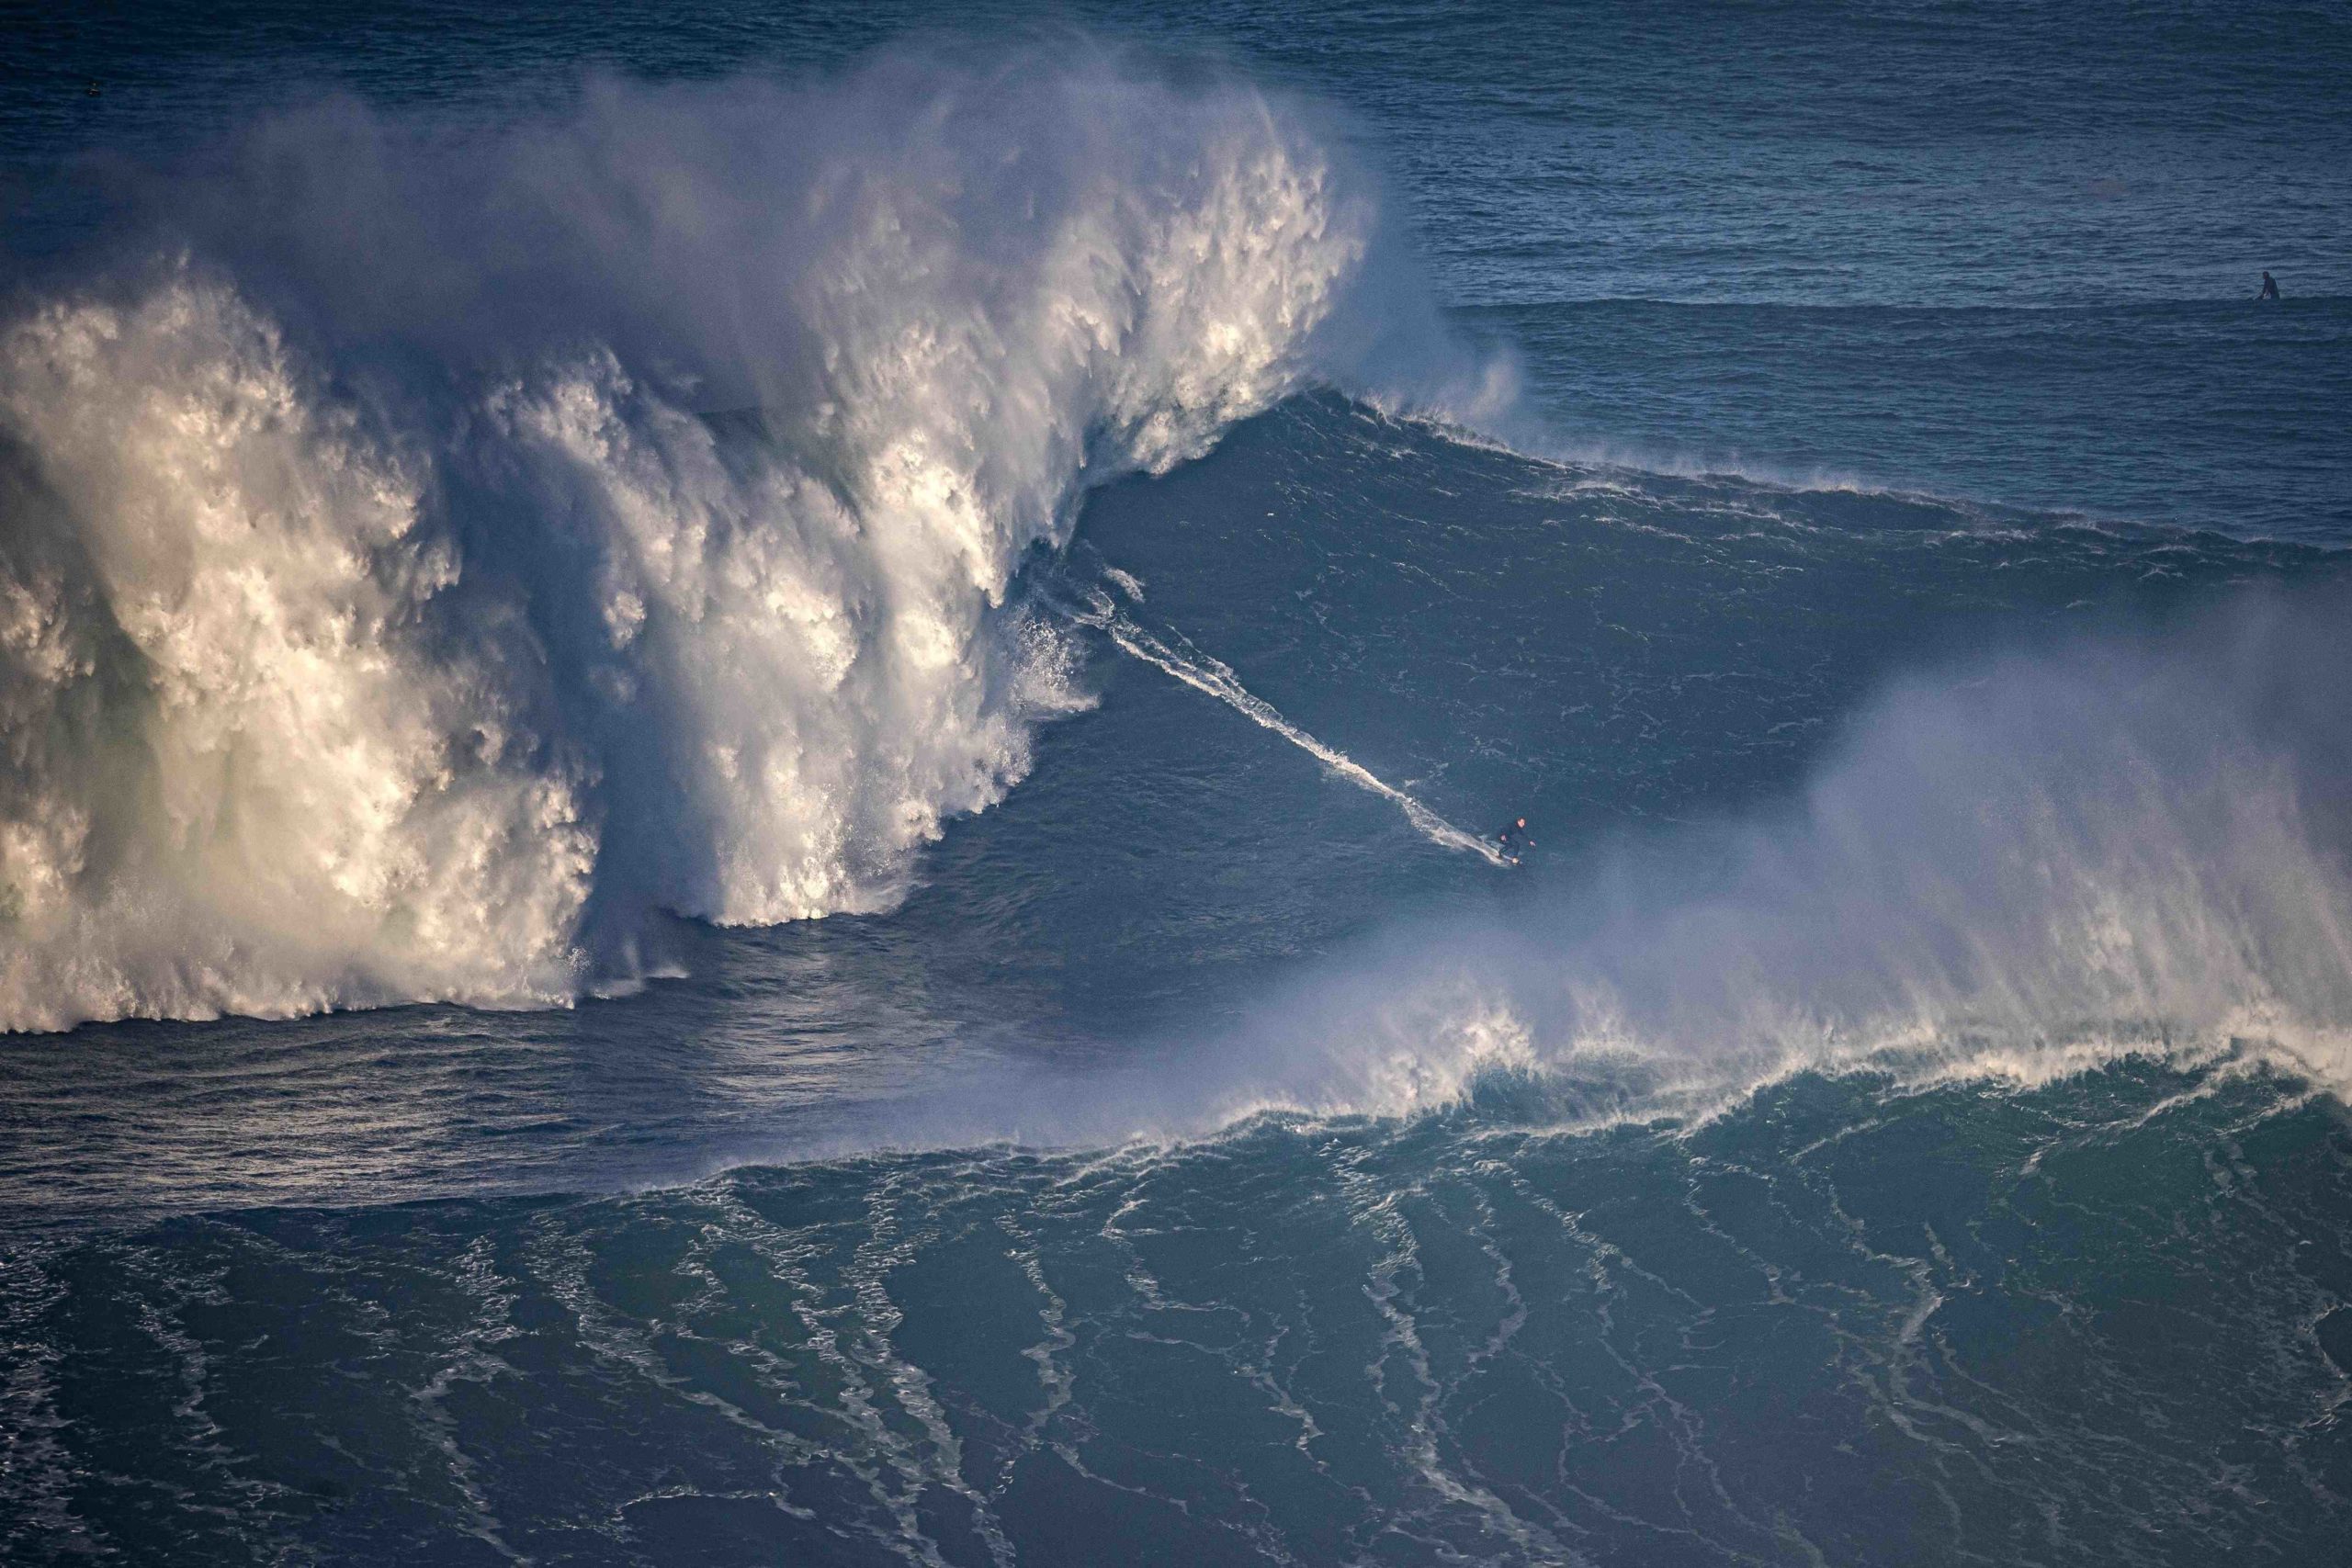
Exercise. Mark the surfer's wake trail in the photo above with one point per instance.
(1213, 676)
(383, 616)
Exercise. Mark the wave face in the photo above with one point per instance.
(464, 543)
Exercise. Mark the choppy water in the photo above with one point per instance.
(1841, 1327)
(919, 609)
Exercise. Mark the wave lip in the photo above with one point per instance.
(381, 620)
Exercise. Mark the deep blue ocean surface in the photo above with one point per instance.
(748, 764)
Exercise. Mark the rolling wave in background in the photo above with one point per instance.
(464, 542)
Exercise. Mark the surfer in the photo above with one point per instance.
(2269, 288)
(1513, 840)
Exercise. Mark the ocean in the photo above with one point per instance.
(753, 756)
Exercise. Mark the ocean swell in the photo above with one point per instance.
(453, 544)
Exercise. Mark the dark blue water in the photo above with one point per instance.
(750, 785)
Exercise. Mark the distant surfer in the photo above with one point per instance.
(1513, 840)
(2269, 288)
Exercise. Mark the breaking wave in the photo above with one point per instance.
(452, 545)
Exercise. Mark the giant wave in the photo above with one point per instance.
(448, 545)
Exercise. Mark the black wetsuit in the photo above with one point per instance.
(1513, 841)
(2269, 288)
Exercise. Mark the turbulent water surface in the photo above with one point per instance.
(749, 765)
